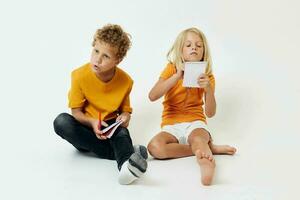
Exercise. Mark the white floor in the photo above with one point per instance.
(265, 167)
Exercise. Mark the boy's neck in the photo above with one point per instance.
(106, 76)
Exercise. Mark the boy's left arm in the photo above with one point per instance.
(125, 110)
(125, 117)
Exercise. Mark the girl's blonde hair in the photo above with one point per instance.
(175, 53)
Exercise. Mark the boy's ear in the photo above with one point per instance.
(119, 60)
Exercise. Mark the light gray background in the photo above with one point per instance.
(255, 51)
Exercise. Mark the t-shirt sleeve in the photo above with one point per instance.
(168, 71)
(76, 96)
(125, 106)
(212, 81)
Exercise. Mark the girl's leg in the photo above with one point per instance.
(199, 139)
(164, 145)
(81, 137)
(222, 149)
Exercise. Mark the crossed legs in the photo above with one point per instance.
(164, 145)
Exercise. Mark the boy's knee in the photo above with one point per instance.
(61, 121)
(156, 150)
(123, 132)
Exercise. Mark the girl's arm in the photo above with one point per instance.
(162, 86)
(210, 102)
(209, 96)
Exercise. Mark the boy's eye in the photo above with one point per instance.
(106, 56)
(96, 51)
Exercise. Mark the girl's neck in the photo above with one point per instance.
(106, 76)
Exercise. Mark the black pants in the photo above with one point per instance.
(118, 147)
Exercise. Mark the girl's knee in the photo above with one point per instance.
(156, 149)
(199, 135)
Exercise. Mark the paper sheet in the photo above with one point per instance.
(192, 71)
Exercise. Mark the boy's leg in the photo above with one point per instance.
(199, 139)
(121, 144)
(131, 165)
(81, 137)
(164, 145)
(142, 150)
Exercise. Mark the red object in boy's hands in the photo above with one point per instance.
(99, 121)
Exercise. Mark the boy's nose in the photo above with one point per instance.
(99, 60)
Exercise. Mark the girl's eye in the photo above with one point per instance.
(188, 45)
(96, 51)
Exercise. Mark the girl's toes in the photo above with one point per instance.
(199, 154)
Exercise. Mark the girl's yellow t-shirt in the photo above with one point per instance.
(94, 96)
(182, 104)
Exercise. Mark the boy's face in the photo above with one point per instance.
(103, 57)
(193, 48)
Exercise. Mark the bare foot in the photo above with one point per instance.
(207, 166)
(222, 149)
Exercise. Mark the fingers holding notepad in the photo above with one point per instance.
(203, 81)
(192, 72)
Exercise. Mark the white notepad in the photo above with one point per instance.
(192, 71)
(110, 130)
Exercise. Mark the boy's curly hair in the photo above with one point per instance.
(114, 35)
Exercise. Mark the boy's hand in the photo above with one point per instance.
(98, 132)
(125, 117)
(203, 82)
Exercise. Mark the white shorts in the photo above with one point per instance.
(182, 130)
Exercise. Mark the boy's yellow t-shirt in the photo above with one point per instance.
(94, 96)
(182, 104)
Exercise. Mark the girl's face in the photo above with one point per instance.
(193, 48)
(103, 57)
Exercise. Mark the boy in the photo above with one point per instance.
(101, 89)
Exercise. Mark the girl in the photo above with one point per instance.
(184, 130)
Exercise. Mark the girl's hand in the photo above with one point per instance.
(98, 133)
(203, 82)
(125, 117)
(179, 73)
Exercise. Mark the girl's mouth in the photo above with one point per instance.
(193, 53)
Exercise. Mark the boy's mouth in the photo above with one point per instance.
(95, 67)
